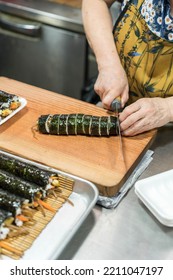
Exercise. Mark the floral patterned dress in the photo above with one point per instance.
(157, 15)
(144, 39)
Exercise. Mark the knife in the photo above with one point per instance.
(116, 107)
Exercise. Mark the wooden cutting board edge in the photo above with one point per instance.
(113, 190)
(107, 191)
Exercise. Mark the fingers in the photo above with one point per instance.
(143, 115)
(108, 95)
(134, 119)
(115, 93)
(136, 128)
(111, 84)
(131, 120)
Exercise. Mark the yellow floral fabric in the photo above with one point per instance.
(146, 58)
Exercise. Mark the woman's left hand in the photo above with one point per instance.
(146, 114)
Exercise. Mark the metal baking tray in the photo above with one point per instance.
(56, 235)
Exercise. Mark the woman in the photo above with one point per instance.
(135, 61)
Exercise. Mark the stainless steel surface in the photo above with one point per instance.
(62, 17)
(43, 44)
(129, 231)
(30, 29)
(56, 235)
(46, 12)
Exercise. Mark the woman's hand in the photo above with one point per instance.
(146, 114)
(111, 83)
(98, 24)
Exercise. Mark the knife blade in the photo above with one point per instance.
(116, 107)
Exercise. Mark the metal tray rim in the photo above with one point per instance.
(83, 215)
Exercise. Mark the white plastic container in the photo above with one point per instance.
(156, 192)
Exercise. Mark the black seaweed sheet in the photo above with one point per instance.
(10, 202)
(4, 215)
(20, 187)
(24, 170)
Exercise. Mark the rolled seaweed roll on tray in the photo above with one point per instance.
(28, 172)
(20, 187)
(11, 202)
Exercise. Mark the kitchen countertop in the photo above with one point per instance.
(129, 231)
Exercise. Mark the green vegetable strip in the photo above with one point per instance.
(19, 187)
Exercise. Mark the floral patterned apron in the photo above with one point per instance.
(146, 58)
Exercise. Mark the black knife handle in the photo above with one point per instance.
(116, 105)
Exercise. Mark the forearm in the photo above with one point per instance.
(111, 81)
(169, 105)
(98, 27)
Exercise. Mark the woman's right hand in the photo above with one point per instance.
(111, 83)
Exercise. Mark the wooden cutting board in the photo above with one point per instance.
(97, 159)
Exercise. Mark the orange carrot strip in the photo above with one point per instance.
(46, 205)
(11, 249)
(22, 218)
(14, 105)
(35, 204)
(41, 208)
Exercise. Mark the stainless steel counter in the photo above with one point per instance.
(129, 231)
(51, 13)
(63, 62)
(43, 44)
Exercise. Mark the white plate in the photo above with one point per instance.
(156, 193)
(23, 104)
(56, 235)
